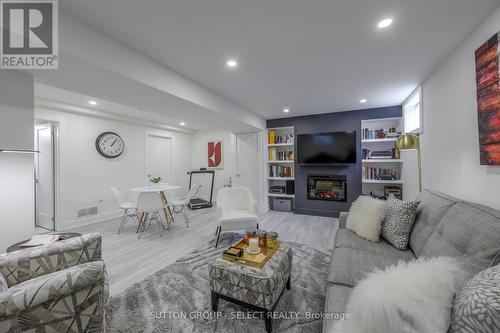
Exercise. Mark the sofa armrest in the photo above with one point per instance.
(343, 219)
(24, 265)
(49, 289)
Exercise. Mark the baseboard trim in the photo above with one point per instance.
(81, 222)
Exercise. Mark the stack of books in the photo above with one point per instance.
(275, 155)
(379, 173)
(381, 133)
(280, 171)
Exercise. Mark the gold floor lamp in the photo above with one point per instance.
(412, 141)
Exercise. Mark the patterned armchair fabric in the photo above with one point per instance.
(24, 265)
(65, 292)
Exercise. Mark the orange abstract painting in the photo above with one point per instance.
(215, 155)
(488, 101)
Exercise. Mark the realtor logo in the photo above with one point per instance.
(29, 38)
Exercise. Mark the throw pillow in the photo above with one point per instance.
(413, 296)
(399, 220)
(477, 305)
(3, 287)
(365, 217)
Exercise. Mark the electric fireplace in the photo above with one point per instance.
(327, 188)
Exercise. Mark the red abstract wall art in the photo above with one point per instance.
(488, 100)
(215, 155)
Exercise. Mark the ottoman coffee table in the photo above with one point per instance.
(258, 289)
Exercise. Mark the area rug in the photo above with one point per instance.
(177, 298)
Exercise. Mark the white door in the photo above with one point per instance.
(44, 177)
(247, 162)
(158, 158)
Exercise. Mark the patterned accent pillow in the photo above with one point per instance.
(477, 306)
(3, 287)
(399, 220)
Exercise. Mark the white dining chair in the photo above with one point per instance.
(129, 208)
(180, 205)
(236, 210)
(149, 206)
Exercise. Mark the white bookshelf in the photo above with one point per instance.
(383, 161)
(374, 143)
(283, 151)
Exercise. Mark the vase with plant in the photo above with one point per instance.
(155, 180)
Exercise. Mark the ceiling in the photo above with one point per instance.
(313, 56)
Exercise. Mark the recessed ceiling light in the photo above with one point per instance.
(231, 63)
(92, 102)
(385, 23)
(363, 101)
(183, 123)
(286, 110)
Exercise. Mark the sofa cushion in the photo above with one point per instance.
(477, 305)
(365, 217)
(399, 220)
(433, 206)
(349, 266)
(337, 297)
(469, 232)
(347, 238)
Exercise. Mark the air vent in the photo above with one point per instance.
(87, 211)
(83, 212)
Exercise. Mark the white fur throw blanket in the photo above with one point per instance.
(408, 297)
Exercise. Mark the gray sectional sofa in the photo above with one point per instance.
(444, 226)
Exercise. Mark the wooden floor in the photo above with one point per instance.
(128, 259)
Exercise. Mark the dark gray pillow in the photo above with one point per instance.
(477, 305)
(398, 222)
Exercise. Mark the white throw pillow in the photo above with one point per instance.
(365, 217)
(3, 287)
(408, 297)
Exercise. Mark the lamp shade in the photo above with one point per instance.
(407, 141)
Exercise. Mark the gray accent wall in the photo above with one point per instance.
(331, 122)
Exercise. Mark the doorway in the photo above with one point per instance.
(158, 157)
(247, 165)
(45, 174)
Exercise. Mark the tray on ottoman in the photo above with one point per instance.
(254, 260)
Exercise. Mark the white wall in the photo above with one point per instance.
(85, 176)
(16, 170)
(450, 143)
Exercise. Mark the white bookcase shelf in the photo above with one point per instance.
(280, 148)
(388, 160)
(377, 181)
(373, 166)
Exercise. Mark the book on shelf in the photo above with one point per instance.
(272, 135)
(373, 173)
(280, 171)
(276, 137)
(276, 156)
(381, 133)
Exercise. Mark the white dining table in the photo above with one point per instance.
(161, 189)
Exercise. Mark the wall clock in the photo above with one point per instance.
(109, 145)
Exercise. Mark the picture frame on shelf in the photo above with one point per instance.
(396, 190)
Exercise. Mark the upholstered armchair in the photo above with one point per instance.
(61, 287)
(236, 210)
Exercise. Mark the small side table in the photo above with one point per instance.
(64, 235)
(256, 288)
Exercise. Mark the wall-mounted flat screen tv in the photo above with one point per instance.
(327, 148)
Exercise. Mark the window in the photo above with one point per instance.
(412, 112)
